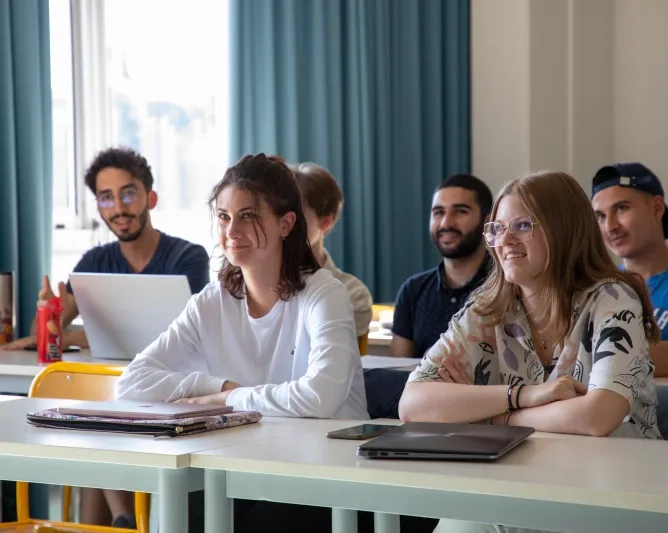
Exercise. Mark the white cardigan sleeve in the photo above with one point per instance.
(333, 361)
(174, 365)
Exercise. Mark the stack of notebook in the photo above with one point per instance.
(142, 418)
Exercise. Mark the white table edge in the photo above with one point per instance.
(438, 482)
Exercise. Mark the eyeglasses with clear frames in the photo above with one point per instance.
(108, 200)
(521, 228)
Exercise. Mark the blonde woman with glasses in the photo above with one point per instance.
(558, 336)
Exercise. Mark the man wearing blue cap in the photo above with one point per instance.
(630, 207)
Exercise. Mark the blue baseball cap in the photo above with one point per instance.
(634, 175)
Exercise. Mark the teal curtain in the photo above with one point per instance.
(377, 91)
(25, 149)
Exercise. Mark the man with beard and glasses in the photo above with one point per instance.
(122, 183)
(426, 301)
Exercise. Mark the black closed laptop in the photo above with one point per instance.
(427, 440)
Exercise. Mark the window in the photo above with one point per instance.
(150, 75)
(64, 183)
(166, 74)
(63, 121)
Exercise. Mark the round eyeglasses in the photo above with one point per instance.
(107, 200)
(521, 229)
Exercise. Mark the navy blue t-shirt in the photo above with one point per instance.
(425, 305)
(173, 256)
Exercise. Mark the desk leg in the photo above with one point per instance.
(218, 508)
(344, 521)
(173, 496)
(385, 523)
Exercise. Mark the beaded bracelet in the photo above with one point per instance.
(517, 396)
(511, 407)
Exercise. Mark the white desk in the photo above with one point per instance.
(7, 398)
(379, 341)
(385, 361)
(552, 482)
(379, 338)
(118, 461)
(17, 369)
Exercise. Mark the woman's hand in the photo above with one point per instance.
(554, 390)
(219, 398)
(563, 388)
(454, 371)
(211, 399)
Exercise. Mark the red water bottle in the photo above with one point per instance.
(50, 331)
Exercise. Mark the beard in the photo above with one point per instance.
(465, 248)
(129, 237)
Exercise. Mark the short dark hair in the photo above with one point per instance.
(270, 179)
(319, 190)
(123, 159)
(469, 182)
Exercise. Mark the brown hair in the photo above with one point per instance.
(269, 179)
(577, 256)
(319, 190)
(123, 159)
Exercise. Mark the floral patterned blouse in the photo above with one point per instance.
(605, 348)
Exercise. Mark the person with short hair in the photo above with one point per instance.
(427, 301)
(631, 211)
(323, 201)
(122, 182)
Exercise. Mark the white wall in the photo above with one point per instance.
(499, 89)
(548, 77)
(641, 83)
(568, 85)
(592, 132)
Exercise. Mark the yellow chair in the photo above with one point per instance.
(72, 381)
(363, 343)
(377, 309)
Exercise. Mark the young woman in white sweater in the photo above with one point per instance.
(275, 333)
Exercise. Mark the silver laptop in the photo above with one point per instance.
(124, 313)
(427, 440)
(136, 410)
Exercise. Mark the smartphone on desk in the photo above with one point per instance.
(361, 432)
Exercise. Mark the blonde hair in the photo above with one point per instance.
(577, 256)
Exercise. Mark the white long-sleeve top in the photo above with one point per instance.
(299, 360)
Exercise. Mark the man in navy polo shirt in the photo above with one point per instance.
(427, 301)
(630, 207)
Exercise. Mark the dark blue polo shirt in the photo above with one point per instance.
(173, 256)
(425, 305)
